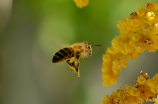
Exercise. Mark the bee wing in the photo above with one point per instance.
(63, 54)
(59, 42)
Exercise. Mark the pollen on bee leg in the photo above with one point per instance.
(72, 59)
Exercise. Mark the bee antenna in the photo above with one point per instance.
(96, 45)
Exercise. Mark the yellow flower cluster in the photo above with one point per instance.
(81, 3)
(139, 32)
(144, 90)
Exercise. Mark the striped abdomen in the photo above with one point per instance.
(62, 55)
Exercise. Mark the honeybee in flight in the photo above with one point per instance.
(72, 54)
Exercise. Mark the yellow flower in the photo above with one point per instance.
(81, 3)
(141, 92)
(139, 32)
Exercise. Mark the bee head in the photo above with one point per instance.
(94, 45)
(88, 48)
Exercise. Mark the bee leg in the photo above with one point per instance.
(77, 68)
(74, 65)
(85, 58)
(71, 64)
(72, 60)
(77, 64)
(77, 57)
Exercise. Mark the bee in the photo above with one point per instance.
(72, 54)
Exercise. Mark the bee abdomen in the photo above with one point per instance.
(62, 55)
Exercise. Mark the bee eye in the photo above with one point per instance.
(87, 46)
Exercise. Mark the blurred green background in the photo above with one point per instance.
(32, 31)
